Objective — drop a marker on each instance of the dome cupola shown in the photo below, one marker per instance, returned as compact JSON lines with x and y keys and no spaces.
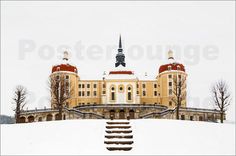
{"x":65,"y":65}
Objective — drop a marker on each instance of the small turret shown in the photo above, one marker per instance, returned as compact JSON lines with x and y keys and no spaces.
{"x":66,"y":56}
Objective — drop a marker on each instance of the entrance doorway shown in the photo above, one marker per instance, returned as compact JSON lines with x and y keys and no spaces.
{"x":112,"y":114}
{"x":131,"y":114}
{"x":122,"y":114}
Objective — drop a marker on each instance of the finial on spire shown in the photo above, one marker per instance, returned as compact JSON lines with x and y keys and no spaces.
{"x":65,"y":56}
{"x":120,"y":44}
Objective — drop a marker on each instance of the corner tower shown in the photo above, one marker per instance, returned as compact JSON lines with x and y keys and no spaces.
{"x":66,"y":73}
{"x":169,"y":75}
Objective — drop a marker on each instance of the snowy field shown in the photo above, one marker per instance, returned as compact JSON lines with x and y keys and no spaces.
{"x":73,"y":137}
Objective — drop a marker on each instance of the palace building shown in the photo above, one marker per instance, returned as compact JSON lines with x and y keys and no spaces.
{"x":120,"y":94}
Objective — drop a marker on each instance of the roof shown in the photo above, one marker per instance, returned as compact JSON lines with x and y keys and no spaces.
{"x":174,"y":66}
{"x":64,"y":67}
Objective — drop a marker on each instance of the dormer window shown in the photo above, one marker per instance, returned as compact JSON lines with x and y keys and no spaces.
{"x":169,"y":67}
{"x":178,"y":67}
{"x":58,"y":68}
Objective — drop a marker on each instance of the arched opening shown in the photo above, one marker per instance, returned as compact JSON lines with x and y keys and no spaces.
{"x":112,"y":114}
{"x":131,"y":114}
{"x":57,"y":117}
{"x":22,"y":119}
{"x":40,"y":119}
{"x":129,"y":93}
{"x":49,"y":117}
{"x":122,"y":114}
{"x":64,"y":117}
{"x":112,"y":93}
{"x":31,"y":119}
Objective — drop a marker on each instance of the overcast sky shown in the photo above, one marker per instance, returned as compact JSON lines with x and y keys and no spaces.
{"x":34,"y":35}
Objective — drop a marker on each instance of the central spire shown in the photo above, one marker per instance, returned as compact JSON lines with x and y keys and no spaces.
{"x":120,"y":57}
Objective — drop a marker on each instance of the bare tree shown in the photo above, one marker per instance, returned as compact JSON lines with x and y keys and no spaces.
{"x":60,"y":92}
{"x":19,"y":100}
{"x":179,"y":92}
{"x":221,"y":97}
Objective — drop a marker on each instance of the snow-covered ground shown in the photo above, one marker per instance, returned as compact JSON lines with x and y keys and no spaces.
{"x":87,"y":137}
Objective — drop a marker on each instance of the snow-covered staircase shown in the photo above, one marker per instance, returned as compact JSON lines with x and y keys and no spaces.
{"x":118,"y":136}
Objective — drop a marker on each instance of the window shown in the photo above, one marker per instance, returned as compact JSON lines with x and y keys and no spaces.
{"x":82,"y":93}
{"x":155,"y":93}
{"x":170,"y":84}
{"x":179,"y":76}
{"x":104,"y":92}
{"x":155,"y":85}
{"x":144,"y":93}
{"x":88,"y":93}
{"x":129,"y":93}
{"x":112,"y":96}
{"x":88,"y":85}
{"x":137,"y":92}
{"x":112,"y":88}
{"x":58,"y":77}
{"x":79,"y":93}
{"x":79,"y":85}
{"x":178,"y":67}
{"x":169,"y":76}
{"x":67,"y":77}
{"x":94,"y":93}
{"x":129,"y":96}
{"x":191,"y":118}
{"x":94,"y":85}
{"x":170,"y":91}
{"x":82,"y":85}
{"x":170,"y":103}
{"x":104,"y":86}
{"x":144,"y":86}
{"x":159,"y":94}
{"x":169,"y":67}
{"x":121,"y":88}
{"x":182,"y":117}
{"x":137,"y":85}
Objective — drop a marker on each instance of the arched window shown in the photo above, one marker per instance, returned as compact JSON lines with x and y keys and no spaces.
{"x":31,"y":119}
{"x":22,"y":120}
{"x":49,"y":117}
{"x":129,"y":93}
{"x":112,"y":92}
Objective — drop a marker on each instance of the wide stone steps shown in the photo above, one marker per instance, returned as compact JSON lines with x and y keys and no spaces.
{"x":119,"y":131}
{"x":118,"y":127}
{"x":118,"y":136}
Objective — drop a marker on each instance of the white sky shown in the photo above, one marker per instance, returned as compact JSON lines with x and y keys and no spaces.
{"x":148,"y":30}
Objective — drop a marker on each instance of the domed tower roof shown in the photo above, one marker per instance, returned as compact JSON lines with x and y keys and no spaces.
{"x":172,"y":64}
{"x":64,"y":65}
